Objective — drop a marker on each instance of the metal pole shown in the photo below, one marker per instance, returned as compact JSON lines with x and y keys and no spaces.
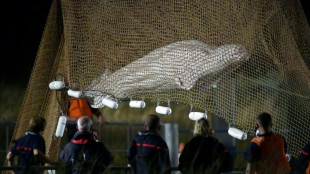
{"x":7,"y":138}
{"x":234,"y":110}
{"x":128,"y":141}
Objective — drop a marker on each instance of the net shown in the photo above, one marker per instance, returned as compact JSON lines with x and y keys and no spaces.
{"x":234,"y":59}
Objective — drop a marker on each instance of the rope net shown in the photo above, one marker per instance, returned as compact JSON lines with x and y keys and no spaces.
{"x":234,"y":59}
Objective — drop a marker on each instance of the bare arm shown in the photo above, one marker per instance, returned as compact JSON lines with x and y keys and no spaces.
{"x":100,"y":117}
{"x":250,"y":168}
{"x":42,"y":157}
{"x":10,"y":157}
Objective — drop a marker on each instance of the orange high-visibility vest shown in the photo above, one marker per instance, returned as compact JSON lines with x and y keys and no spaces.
{"x":273,"y":159}
{"x":79,"y":107}
{"x":308,"y":169}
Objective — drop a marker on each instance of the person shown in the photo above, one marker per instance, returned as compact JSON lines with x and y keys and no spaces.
{"x":204,"y":153}
{"x":30,"y":149}
{"x":79,"y":107}
{"x":267,"y":151}
{"x":83,"y":154}
{"x":149,"y":152}
{"x":303,"y":164}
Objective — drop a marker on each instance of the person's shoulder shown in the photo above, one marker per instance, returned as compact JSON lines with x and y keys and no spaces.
{"x":278,"y":137}
{"x":40,"y":137}
{"x":98,"y":143}
{"x":36,"y":138}
{"x":217,"y":143}
{"x":210,"y":139}
{"x":70,"y":145}
{"x":22,"y":138}
{"x":258,"y":139}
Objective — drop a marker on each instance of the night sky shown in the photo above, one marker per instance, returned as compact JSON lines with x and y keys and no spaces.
{"x":22,"y":26}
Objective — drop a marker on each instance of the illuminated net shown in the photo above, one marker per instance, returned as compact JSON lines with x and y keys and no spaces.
{"x":256,"y":52}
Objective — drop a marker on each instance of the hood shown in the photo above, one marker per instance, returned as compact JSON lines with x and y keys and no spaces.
{"x":82,"y":138}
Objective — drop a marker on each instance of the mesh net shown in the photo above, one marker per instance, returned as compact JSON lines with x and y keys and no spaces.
{"x":256,"y":52}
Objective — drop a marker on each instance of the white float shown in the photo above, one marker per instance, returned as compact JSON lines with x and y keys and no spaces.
{"x":197,"y":115}
{"x":136,"y":104}
{"x":61,"y":126}
{"x":163,"y":110}
{"x":110,"y":103}
{"x":76,"y":94}
{"x":56,"y":85}
{"x":237,"y":133}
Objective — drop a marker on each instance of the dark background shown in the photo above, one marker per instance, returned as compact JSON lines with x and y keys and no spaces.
{"x":22,"y":26}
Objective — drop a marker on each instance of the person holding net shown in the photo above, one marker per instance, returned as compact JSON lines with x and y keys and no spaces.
{"x":79,"y":107}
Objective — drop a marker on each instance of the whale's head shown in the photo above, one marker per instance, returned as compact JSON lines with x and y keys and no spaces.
{"x":230,"y":54}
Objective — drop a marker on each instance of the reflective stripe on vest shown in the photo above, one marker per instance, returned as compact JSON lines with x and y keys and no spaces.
{"x":79,"y":107}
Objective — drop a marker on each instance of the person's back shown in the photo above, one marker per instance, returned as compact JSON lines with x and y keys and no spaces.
{"x":151,"y":149}
{"x":204,"y":154}
{"x":266,"y":153}
{"x":149,"y":152}
{"x":272,"y":156}
{"x":83,"y":154}
{"x":24,"y":148}
{"x":30,"y":149}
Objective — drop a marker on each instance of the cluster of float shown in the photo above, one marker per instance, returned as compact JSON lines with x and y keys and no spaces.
{"x":59,"y":85}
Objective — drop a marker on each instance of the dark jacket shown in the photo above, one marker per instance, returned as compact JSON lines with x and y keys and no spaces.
{"x":83,"y":154}
{"x":205,"y":155}
{"x":149,"y":153}
{"x":24,"y":150}
{"x":304,"y":160}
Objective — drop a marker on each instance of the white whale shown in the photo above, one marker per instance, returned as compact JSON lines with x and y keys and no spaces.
{"x":177,"y":65}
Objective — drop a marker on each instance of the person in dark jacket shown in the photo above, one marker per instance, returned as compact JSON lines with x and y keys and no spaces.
{"x":149,"y":153}
{"x":83,"y":154}
{"x":203,"y":153}
{"x":30,"y":149}
{"x":303,"y":165}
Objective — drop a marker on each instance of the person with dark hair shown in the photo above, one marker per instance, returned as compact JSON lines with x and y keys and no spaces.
{"x":149,"y":153}
{"x":203,"y":153}
{"x":30,"y":149}
{"x":267,"y":151}
{"x":84,"y":154}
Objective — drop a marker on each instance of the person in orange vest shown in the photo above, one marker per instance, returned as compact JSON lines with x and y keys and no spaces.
{"x":303,"y":165}
{"x":79,"y":107}
{"x":267,"y":151}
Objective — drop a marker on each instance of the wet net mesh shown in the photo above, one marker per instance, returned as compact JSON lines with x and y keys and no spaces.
{"x":234,"y":59}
